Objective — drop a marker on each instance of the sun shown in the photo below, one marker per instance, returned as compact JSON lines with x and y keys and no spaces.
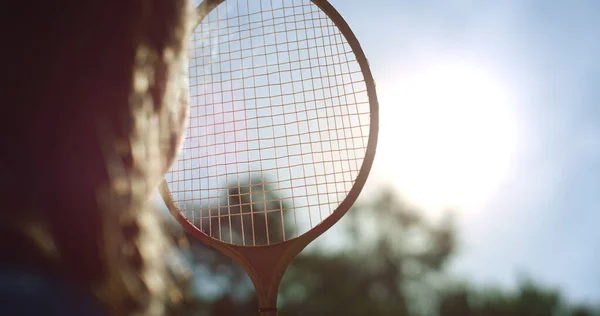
{"x":448,"y":134}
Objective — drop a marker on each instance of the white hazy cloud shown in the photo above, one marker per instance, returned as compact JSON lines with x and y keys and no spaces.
{"x":542,"y":217}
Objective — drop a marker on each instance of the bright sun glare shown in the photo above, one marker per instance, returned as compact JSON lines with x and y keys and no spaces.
{"x":448,"y":133}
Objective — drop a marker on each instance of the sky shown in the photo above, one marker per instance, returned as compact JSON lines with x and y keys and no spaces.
{"x":491,"y":108}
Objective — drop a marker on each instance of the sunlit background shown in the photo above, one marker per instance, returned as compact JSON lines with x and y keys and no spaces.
{"x":491,"y":108}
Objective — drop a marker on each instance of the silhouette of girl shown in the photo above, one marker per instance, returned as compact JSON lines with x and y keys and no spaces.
{"x":93,"y":116}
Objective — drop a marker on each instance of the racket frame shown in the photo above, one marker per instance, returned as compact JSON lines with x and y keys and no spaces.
{"x":266,"y":264}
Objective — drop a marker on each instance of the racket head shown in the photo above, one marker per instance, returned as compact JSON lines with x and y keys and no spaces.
{"x":228,"y":189}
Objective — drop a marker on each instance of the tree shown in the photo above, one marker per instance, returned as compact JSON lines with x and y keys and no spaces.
{"x":242,"y":215}
{"x":530,"y":298}
{"x":391,"y":259}
{"x":392,"y":262}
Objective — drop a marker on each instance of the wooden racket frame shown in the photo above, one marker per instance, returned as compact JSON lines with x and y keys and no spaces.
{"x":266,"y":264}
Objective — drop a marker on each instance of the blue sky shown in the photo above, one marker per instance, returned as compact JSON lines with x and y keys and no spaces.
{"x":540,"y":214}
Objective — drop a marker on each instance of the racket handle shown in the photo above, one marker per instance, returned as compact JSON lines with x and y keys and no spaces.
{"x":268,"y":311}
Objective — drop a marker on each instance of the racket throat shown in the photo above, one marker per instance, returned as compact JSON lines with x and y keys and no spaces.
{"x":266,"y":285}
{"x":265,"y":272}
{"x":266,"y":280}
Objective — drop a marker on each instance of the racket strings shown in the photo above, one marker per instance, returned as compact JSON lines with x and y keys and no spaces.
{"x":279,"y":122}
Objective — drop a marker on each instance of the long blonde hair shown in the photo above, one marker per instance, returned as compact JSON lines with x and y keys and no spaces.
{"x":99,"y":141}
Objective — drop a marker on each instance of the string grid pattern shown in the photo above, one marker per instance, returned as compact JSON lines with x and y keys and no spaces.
{"x":279,"y":122}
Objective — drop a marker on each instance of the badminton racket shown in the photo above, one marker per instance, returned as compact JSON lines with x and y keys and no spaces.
{"x":281,"y":135}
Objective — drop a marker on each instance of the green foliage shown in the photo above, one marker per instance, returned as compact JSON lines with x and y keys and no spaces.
{"x":393,"y":253}
{"x":392,"y":263}
{"x":529,"y":299}
{"x":244,"y":212}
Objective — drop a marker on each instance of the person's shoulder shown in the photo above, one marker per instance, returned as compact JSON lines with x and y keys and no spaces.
{"x":26,"y":293}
